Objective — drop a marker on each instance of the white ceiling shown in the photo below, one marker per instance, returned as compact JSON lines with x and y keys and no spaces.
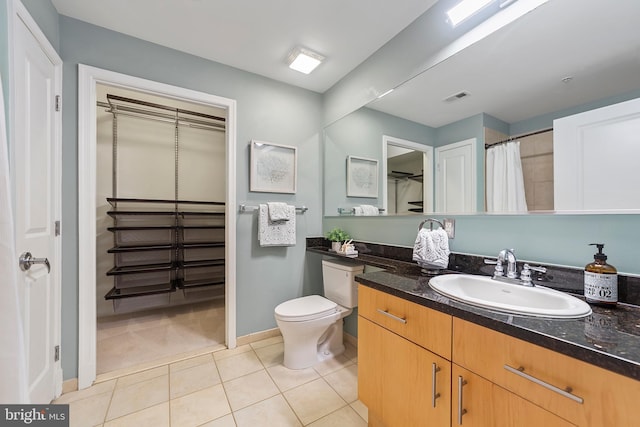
{"x":258,"y":35}
{"x":516,"y":73}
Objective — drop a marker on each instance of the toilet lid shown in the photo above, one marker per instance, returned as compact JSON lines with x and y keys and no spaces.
{"x":305,"y":308}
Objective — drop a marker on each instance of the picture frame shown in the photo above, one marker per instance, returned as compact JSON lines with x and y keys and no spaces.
{"x":273,"y":168}
{"x":362,"y":177}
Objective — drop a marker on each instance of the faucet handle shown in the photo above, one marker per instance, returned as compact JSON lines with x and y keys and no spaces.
{"x":498,"y":271}
{"x":525,"y":274}
{"x":539,"y":269}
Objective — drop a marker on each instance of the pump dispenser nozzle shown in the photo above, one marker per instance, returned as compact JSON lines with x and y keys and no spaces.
{"x":600,"y":255}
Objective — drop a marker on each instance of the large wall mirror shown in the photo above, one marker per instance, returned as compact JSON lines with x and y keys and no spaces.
{"x":562,"y":58}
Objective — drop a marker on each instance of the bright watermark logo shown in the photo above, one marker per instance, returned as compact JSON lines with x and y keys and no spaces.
{"x":34,"y":415}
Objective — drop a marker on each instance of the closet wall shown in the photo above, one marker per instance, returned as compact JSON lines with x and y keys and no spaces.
{"x":146,"y":164}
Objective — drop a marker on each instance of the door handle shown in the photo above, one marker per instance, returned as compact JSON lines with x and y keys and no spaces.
{"x":26,"y":261}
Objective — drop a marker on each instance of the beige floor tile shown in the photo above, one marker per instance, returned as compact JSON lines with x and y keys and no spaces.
{"x":345,"y":382}
{"x":188,"y":363}
{"x":200,"y":407}
{"x":270,"y":412}
{"x":344,"y":417}
{"x":266,"y":342}
{"x":223,"y":354}
{"x":239,"y":365}
{"x":154,"y":416}
{"x":332,"y":365}
{"x":90,"y":411}
{"x":95,"y":389}
{"x":154,"y":336}
{"x":313,"y":400}
{"x":361,"y":409}
{"x":148,"y":374}
{"x":287,"y":379}
{"x":138,"y":396}
{"x":249,"y":389}
{"x":271,"y":355}
{"x":226,"y":421}
{"x":192,"y":379}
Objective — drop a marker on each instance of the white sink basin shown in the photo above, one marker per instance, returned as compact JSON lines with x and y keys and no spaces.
{"x":493,"y":294}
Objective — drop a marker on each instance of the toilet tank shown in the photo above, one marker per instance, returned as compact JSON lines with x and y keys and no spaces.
{"x":339,"y":284}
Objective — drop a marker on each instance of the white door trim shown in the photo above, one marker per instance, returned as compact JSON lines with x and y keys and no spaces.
{"x":17,"y":12}
{"x":88,"y":77}
{"x":427,"y":195}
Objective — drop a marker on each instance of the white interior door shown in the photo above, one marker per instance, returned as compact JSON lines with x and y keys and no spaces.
{"x":595,"y":156}
{"x":456,"y":177}
{"x":36,"y":172}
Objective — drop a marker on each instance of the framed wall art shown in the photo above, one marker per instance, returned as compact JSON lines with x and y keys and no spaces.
{"x":273,"y":168}
{"x":362,"y":177}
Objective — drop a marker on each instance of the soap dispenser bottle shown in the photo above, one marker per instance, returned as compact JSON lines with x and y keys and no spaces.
{"x":600,"y":280}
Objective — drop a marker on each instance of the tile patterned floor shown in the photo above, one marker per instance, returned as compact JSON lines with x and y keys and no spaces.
{"x":156,"y":334}
{"x":244,"y":387}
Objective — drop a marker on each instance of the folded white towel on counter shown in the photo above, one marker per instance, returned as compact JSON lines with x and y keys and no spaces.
{"x":369,"y":210}
{"x":431,"y":249}
{"x":357,"y":211}
{"x":279,"y":211}
{"x":276,"y":233}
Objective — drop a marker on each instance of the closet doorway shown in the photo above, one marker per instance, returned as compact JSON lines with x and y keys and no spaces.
{"x":164,"y":224}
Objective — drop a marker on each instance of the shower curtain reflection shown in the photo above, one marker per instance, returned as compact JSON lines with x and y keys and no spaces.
{"x":505,"y":182}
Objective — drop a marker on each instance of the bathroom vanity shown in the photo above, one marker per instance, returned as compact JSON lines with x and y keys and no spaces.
{"x":424,"y":359}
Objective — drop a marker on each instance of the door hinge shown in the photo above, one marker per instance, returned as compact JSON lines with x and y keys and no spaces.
{"x":58,"y":102}
{"x":56,"y":353}
{"x":57,"y":228}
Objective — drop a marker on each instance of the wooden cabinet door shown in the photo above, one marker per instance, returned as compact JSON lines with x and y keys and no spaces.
{"x":478,"y":402}
{"x":401,"y":383}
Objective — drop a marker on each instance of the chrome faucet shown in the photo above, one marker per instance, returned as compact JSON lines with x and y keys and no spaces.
{"x":512,"y":271}
{"x":510,"y":257}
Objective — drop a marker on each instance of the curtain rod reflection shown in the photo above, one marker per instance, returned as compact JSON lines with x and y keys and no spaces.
{"x":513,"y":138}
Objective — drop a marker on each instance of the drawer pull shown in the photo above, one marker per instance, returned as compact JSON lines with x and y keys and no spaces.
{"x":461,"y":411}
{"x":566,"y":393}
{"x":393,"y":316}
{"x":434,"y":395}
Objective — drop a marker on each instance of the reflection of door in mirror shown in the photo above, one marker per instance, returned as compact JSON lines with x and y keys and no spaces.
{"x":456,"y":177}
{"x":409,"y":176}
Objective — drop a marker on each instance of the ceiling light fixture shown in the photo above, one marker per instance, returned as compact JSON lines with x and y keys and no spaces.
{"x":304,"y":60}
{"x":465,"y":9}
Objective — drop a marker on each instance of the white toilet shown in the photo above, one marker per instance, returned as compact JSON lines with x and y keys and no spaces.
{"x":311,"y":326}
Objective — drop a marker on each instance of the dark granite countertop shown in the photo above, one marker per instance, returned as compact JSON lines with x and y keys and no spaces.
{"x":609,"y":338}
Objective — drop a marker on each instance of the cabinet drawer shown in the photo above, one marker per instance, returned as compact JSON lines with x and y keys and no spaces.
{"x":421,"y":325}
{"x":532,"y":372}
{"x":478,"y":402}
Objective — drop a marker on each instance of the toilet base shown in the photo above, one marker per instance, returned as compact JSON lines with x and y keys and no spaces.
{"x":329,"y":345}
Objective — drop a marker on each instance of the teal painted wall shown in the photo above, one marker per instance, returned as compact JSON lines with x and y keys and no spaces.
{"x":360,"y":134}
{"x":266,"y":110}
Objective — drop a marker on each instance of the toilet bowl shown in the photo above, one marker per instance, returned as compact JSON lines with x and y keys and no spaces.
{"x":311,"y":326}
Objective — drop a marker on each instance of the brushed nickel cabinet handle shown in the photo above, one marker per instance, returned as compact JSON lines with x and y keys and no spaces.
{"x":434,"y":394}
{"x":393,"y":316}
{"x":566,"y":392}
{"x":461,"y":410}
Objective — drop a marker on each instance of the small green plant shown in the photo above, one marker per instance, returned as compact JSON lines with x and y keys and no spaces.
{"x":337,"y":235}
